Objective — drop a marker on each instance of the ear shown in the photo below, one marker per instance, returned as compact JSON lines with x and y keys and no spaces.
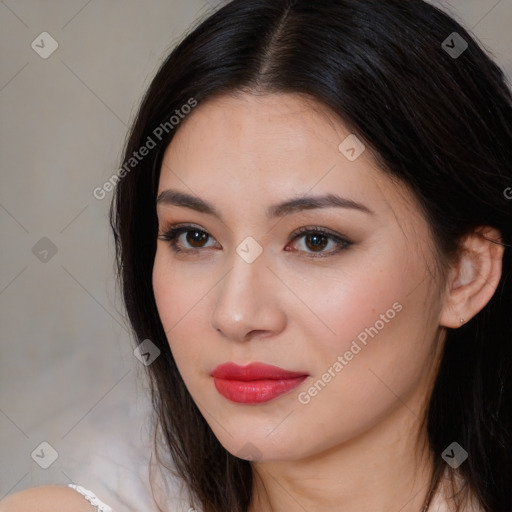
{"x":475,"y":277}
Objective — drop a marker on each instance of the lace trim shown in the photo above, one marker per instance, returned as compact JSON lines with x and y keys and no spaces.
{"x":91,"y":498}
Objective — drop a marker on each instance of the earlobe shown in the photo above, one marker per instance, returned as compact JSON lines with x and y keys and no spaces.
{"x":475,"y":278}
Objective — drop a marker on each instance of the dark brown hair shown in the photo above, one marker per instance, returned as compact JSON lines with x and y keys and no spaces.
{"x":440,"y":123}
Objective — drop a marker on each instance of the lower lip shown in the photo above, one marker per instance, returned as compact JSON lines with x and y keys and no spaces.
{"x":255,"y":391}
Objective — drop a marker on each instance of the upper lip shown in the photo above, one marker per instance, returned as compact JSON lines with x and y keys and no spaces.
{"x":253,"y":371}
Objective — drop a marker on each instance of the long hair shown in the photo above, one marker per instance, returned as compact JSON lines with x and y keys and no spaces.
{"x":438,"y":117}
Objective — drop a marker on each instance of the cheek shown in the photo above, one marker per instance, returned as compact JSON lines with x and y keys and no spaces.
{"x":178,"y":288}
{"x":339,"y":305}
{"x":364,"y":298}
{"x":383,"y":331}
{"x":357,"y":299}
{"x":181,"y":299}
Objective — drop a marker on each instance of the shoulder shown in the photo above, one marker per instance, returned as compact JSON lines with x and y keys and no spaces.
{"x":46,"y":498}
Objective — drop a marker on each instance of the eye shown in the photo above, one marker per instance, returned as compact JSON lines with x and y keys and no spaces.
{"x":316,"y":240}
{"x":195,"y":237}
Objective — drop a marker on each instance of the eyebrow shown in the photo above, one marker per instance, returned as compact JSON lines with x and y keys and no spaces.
{"x":176,"y":198}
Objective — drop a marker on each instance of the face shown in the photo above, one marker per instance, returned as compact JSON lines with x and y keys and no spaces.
{"x":340,"y":293}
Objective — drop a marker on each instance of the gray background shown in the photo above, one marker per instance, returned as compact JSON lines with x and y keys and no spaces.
{"x":68,"y":375}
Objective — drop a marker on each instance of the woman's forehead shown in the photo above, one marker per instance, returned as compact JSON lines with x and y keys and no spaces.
{"x":244,"y":154}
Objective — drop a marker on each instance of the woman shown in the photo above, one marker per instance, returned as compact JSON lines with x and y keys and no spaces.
{"x":313,"y":224}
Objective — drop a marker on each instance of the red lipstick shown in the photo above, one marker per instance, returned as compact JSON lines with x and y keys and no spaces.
{"x":254,"y":383}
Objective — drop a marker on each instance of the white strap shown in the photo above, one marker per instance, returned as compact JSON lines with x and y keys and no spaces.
{"x":91,"y":498}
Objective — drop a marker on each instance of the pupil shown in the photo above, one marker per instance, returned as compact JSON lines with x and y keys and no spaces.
{"x":317,"y":241}
{"x":201,"y":237}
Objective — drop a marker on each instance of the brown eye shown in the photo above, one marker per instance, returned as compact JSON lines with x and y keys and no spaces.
{"x":185,"y":239}
{"x":190,"y":240}
{"x":196,"y":238}
{"x":316,"y":241}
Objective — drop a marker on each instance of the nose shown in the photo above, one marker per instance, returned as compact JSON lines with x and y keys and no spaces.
{"x":247,"y":304}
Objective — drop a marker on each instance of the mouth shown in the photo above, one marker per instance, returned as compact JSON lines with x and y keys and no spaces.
{"x":255,"y":383}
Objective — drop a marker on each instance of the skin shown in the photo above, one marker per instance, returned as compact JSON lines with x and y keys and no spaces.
{"x":358,"y":444}
{"x":46,"y":498}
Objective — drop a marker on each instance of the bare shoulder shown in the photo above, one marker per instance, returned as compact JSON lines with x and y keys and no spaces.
{"x":46,"y":498}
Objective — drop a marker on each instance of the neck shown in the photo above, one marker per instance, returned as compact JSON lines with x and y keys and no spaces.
{"x":386,"y":468}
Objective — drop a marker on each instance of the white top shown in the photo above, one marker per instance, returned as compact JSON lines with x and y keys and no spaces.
{"x":437,"y":504}
{"x":91,"y":498}
{"x":112,"y":455}
{"x":118,"y":455}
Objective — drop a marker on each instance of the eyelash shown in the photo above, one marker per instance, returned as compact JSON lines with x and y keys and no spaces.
{"x":173,"y":232}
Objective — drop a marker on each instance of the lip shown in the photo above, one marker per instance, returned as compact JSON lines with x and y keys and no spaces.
{"x":254,"y":383}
